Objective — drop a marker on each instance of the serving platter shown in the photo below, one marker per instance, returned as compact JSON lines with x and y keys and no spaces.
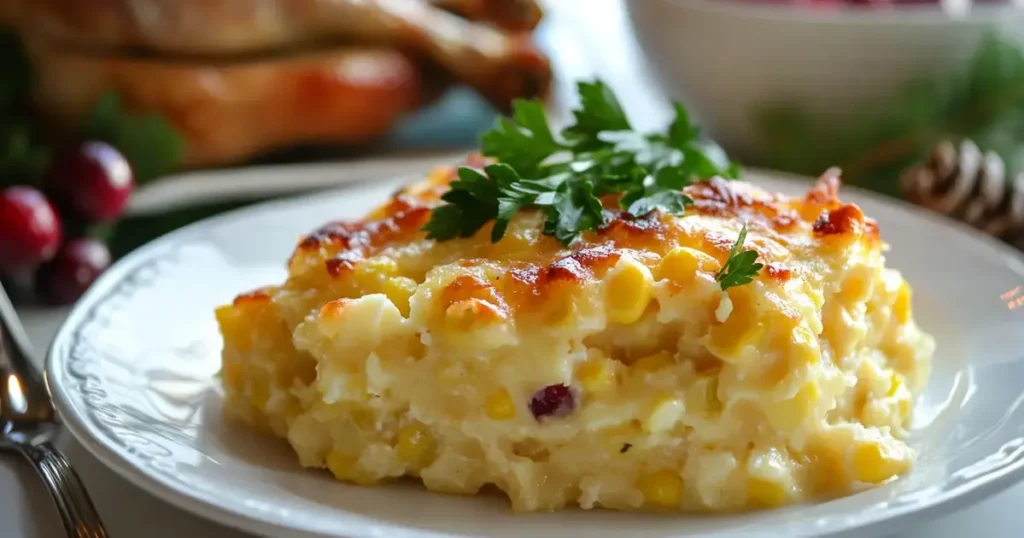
{"x":134,"y":370}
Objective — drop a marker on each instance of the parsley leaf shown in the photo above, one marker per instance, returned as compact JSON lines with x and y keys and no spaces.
{"x":574,"y":210}
{"x":682,"y":130}
{"x":672,"y":202}
{"x":741,"y":267}
{"x":599,"y":111}
{"x":445,"y":222}
{"x":472,"y":202}
{"x":523,"y":141}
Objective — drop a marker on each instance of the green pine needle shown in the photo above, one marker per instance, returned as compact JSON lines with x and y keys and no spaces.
{"x":983,"y":102}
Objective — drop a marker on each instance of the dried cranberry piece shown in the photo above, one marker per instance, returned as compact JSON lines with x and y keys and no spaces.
{"x":552,"y":401}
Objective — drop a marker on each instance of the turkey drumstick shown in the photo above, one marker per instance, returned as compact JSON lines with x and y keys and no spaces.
{"x":230,"y":112}
{"x":500,"y":66}
{"x":514,"y":15}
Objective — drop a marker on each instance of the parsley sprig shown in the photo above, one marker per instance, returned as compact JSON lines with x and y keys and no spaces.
{"x":564,"y":174}
{"x":741,"y":267}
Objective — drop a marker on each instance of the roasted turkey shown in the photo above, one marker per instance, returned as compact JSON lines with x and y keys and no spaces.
{"x":242,"y":77}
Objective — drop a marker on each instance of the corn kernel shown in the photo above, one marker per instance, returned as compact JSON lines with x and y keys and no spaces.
{"x":830,"y":475}
{"x":702,"y":396}
{"x":875,"y":462}
{"x":595,"y":375}
{"x":903,"y":406}
{"x":682,"y":264}
{"x":895,"y":384}
{"x":370,"y":274}
{"x":653,"y":363}
{"x":742,"y":328}
{"x":499,"y":405}
{"x":399,"y":290}
{"x":345,"y":467}
{"x":559,"y":305}
{"x":364,"y":419}
{"x":628,"y":291}
{"x":415,"y":446}
{"x":789,"y":414}
{"x":765,"y":493}
{"x":903,"y":399}
{"x":805,"y":348}
{"x":664,"y":415}
{"x":857,"y":287}
{"x":663,"y":488}
{"x":901,"y":308}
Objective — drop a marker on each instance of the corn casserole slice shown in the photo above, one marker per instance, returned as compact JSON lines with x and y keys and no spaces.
{"x":615,"y":373}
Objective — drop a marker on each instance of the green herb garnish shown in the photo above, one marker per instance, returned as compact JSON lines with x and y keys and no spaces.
{"x":741,"y":267}
{"x":564,"y":174}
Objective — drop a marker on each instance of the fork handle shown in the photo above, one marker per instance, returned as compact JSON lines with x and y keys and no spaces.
{"x":76,"y":509}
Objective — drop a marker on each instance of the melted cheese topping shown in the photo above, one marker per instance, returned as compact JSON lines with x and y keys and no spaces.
{"x":616,"y":373}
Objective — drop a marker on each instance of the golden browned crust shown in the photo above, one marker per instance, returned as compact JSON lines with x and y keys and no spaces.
{"x":819,"y":220}
{"x":231,"y":112}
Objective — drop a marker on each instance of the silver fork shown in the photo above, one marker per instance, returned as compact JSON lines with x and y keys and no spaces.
{"x":28,"y":422}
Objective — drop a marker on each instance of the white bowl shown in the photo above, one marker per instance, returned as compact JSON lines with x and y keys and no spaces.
{"x":726,"y":58}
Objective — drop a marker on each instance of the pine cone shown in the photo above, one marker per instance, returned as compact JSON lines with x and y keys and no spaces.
{"x":967,"y":185}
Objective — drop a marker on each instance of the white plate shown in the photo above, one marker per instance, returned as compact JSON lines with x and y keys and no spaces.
{"x":132,"y":373}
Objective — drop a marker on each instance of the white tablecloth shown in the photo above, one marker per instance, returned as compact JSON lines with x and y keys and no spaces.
{"x":26,"y":511}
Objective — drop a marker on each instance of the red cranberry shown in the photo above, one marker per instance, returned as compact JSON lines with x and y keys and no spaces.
{"x":552,"y":401}
{"x":93,"y":179}
{"x":65,"y":278}
{"x":30,"y":230}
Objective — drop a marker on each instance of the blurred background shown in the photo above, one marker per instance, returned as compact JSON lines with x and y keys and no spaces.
{"x":121,"y":120}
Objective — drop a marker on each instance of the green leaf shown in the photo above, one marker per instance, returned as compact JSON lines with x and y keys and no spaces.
{"x":649,"y":152}
{"x":23,"y":160}
{"x":15,"y":74}
{"x":479,"y":186}
{"x":507,"y":208}
{"x":741,"y":267}
{"x":151,"y":145}
{"x":105,"y":117}
{"x":523,"y":141}
{"x":681,"y":131}
{"x":599,"y":111}
{"x":148,"y":142}
{"x":445,"y":223}
{"x":672,"y":179}
{"x":504,"y":175}
{"x":671,"y":202}
{"x":576,"y":210}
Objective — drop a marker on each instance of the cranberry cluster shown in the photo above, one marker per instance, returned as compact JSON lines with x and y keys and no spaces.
{"x":43,"y":230}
